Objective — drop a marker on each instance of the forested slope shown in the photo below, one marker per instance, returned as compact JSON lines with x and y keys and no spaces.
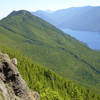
{"x":50,"y":85}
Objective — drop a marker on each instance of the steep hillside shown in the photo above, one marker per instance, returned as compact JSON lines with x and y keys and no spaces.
{"x":50,"y":47}
{"x":49,"y":85}
{"x":76,"y":18}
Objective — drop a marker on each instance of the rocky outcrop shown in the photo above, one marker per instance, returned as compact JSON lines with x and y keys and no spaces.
{"x":14,"y":61}
{"x":12,"y":86}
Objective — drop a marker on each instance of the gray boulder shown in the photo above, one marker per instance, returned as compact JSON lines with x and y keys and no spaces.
{"x":12,"y":85}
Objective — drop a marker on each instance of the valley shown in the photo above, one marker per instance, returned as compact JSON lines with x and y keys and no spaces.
{"x":91,"y":39}
{"x":81,"y":23}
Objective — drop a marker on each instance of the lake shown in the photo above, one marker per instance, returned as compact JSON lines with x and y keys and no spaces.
{"x":92,"y":39}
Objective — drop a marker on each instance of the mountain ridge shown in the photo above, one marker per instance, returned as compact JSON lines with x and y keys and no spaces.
{"x":49,"y":46}
{"x":76,"y":18}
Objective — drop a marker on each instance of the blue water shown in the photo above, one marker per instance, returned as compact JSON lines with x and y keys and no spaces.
{"x":92,"y":39}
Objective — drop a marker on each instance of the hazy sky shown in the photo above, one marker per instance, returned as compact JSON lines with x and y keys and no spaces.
{"x":7,"y":6}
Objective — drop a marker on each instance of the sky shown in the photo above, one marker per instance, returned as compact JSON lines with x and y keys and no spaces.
{"x":7,"y":6}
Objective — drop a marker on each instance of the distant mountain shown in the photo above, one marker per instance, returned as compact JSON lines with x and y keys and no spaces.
{"x":76,"y":18}
{"x":52,"y":48}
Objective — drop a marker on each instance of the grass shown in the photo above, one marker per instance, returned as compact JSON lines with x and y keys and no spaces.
{"x":47,"y":83}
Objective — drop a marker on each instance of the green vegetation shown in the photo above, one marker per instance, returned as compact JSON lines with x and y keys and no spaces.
{"x":50,"y":85}
{"x":49,"y":46}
